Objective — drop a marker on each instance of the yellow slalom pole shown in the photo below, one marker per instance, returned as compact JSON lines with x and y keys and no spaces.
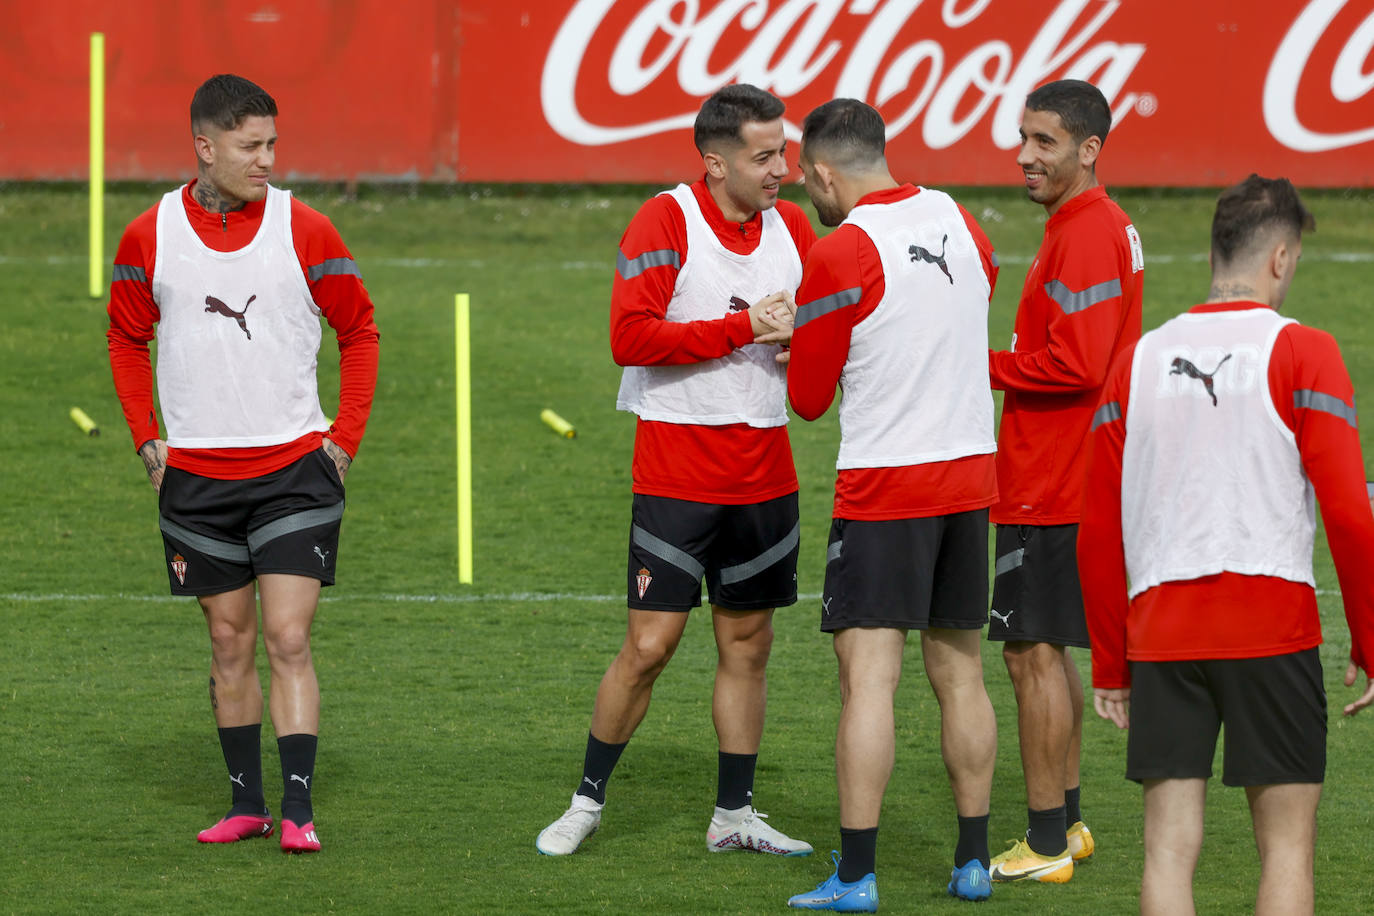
{"x":463,"y":364}
{"x":97,"y":215}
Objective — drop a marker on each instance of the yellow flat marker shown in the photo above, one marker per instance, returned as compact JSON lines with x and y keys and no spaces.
{"x":558,"y":424}
{"x":83,"y":420}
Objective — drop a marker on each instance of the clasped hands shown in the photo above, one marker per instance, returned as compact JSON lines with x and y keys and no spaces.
{"x":771,"y":319}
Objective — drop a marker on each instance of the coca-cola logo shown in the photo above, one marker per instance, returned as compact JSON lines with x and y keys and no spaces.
{"x":791,"y":48}
{"x":1349,"y":80}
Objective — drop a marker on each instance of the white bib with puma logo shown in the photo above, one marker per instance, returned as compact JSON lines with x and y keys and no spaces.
{"x":1211,"y":478}
{"x":237,"y":336}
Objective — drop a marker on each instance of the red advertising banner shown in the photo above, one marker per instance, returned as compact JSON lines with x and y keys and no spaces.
{"x":605,"y":90}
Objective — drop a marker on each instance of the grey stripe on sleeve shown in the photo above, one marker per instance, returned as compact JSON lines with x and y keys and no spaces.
{"x":297,"y":521}
{"x":1071,"y":301}
{"x":1316,"y":400}
{"x":629,"y":269}
{"x":130,"y":272}
{"x":666,"y":552}
{"x":1009,"y":561}
{"x":732,"y":574}
{"x":825,"y":305}
{"x":995,"y":261}
{"x":211,"y":547}
{"x":334,"y":267}
{"x":1107,"y":413}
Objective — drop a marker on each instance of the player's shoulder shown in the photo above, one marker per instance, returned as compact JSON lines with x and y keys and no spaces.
{"x":1310,"y":343}
{"x":658,"y":223}
{"x":306,"y":217}
{"x":1104,"y":212}
{"x":145,"y":224}
{"x":138,"y":245}
{"x":841,"y":243}
{"x":1096,"y":229}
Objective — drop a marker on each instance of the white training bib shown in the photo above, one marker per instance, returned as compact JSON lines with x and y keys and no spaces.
{"x":747,"y":385}
{"x":915,"y":383}
{"x":238,"y":334}
{"x":1211,"y":477}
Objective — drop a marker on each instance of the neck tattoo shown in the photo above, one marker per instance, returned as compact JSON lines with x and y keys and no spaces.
{"x":209,"y":197}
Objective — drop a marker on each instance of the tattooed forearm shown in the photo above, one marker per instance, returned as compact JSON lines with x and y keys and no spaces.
{"x":339,"y":457}
{"x":154,"y":455}
{"x":214,"y":700}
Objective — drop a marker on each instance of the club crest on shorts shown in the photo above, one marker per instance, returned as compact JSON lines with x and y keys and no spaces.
{"x":178,"y":565}
{"x":642,"y":580}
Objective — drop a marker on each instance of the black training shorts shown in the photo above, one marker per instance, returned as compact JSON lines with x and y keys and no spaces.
{"x":1274,"y":710}
{"x":748,"y":554}
{"x":220,"y":535}
{"x":908,"y":574}
{"x":1035,"y":591}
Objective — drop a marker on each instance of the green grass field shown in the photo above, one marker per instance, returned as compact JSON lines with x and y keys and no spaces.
{"x":455,"y":716}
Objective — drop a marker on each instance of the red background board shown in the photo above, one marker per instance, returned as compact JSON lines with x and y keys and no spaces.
{"x":605,"y":90}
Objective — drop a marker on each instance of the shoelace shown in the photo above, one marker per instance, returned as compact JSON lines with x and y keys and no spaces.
{"x":565,"y":826}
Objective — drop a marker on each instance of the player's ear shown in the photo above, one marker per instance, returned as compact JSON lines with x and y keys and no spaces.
{"x":1088,"y":151}
{"x":205,"y":149}
{"x":825,"y":175}
{"x":1280,"y":259}
{"x":715,"y":163}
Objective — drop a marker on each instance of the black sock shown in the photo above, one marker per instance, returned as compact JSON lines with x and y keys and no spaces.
{"x":297,"y":773}
{"x":242,"y":747}
{"x":858,"y":853}
{"x":973,"y":842}
{"x":1047,"y":835}
{"x":601,"y":758}
{"x":1072,"y":814}
{"x":735,"y":780}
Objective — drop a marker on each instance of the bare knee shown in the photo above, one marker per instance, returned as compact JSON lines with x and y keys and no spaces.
{"x":233,"y":635}
{"x":1033,"y":661}
{"x":288,"y":645}
{"x":749,"y":652}
{"x":644,"y":655}
{"x":856,"y":680}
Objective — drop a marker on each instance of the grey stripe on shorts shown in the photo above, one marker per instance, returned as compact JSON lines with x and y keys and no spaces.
{"x":211,"y":547}
{"x":832,"y":553}
{"x":667,"y":552}
{"x":738,"y":573}
{"x":1009,"y":561}
{"x":297,"y":521}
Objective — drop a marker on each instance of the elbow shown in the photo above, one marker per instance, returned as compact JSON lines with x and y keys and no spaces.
{"x":807,"y":409}
{"x":621,"y":355}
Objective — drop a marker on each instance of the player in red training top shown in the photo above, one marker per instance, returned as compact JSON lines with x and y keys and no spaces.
{"x":235,"y":275}
{"x":703,"y":287}
{"x":893,"y":309}
{"x":1079,"y":307}
{"x":1213,"y":434}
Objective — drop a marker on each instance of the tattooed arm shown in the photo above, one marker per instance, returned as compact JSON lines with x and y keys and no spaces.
{"x":338,"y":456}
{"x":154,"y":455}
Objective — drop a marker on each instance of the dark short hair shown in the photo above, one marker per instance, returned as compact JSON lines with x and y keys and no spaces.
{"x":847,"y":131}
{"x":727,"y":111}
{"x":1248,"y":212}
{"x":1081,"y":106}
{"x":223,"y":101}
